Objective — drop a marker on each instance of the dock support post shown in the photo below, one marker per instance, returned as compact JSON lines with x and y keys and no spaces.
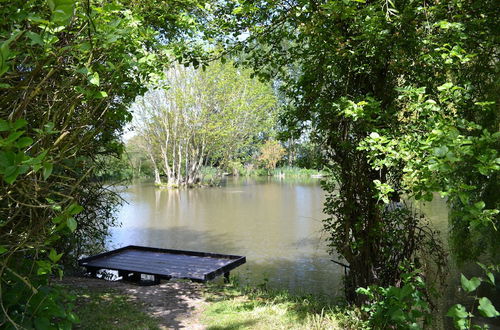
{"x":123,"y":274}
{"x":92,"y":271}
{"x":226,"y":277}
{"x":135,"y":277}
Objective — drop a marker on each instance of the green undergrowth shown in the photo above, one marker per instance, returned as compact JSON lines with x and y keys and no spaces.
{"x":234,"y":307}
{"x":109,"y":309}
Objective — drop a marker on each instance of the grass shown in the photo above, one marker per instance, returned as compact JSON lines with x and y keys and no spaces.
{"x":228,"y":306}
{"x":110,"y":310}
{"x":233,"y":307}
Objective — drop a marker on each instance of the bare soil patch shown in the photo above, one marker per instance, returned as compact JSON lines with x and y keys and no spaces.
{"x":176,"y":304}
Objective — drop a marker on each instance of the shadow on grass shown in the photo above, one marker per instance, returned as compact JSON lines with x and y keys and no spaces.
{"x":119,"y":305}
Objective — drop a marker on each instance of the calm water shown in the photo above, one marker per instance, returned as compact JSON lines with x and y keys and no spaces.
{"x":276,"y":224}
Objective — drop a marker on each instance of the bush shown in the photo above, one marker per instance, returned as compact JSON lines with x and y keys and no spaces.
{"x":405,"y":307}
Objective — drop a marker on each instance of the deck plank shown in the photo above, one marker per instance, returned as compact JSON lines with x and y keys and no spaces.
{"x":199,"y":266}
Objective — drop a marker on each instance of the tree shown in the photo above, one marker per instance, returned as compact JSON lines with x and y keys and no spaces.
{"x":202,"y":117}
{"x":271,"y":153}
{"x":68,"y":71}
{"x":357,"y":73}
{"x":139,"y":162}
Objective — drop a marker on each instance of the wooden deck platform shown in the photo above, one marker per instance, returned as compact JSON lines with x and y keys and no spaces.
{"x":132,"y":261}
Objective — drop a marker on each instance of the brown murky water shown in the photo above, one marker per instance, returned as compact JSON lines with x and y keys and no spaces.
{"x":275,"y":223}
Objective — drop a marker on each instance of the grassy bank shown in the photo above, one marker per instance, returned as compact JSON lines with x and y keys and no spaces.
{"x":234,"y":307}
{"x":222,"y":307}
{"x":290,"y":171}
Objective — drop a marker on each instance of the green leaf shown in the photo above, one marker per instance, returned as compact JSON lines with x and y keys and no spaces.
{"x":13,"y":137}
{"x":20,"y":123}
{"x":4,"y":125}
{"x":62,"y":10}
{"x":457,"y":312}
{"x":24,"y":142}
{"x":11,"y":174}
{"x":441,"y":151}
{"x":53,"y":256}
{"x":74,"y":209}
{"x":94,"y":79}
{"x":35,"y":38}
{"x":73,"y":317}
{"x":491,"y":277}
{"x":57,"y":219}
{"x":3,"y":249}
{"x":397,"y":315}
{"x":71,"y":223}
{"x":47,"y":170}
{"x":470,"y":285}
{"x":486,"y":308}
{"x":42,"y":323}
{"x":479,"y":205}
{"x":445,"y":86}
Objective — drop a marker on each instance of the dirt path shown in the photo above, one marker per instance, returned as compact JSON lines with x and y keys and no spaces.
{"x":176,"y":304}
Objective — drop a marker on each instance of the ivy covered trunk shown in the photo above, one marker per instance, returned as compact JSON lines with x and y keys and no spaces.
{"x":354,"y":216}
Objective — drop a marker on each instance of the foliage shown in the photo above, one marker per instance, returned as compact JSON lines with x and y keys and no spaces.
{"x":271,"y":152}
{"x":404,"y":307}
{"x":68,"y":70}
{"x":204,"y":117}
{"x":348,"y":69}
{"x":308,"y":155}
{"x":447,"y":153}
{"x":120,"y":169}
{"x":30,"y":301}
{"x":138,"y":162}
{"x":462,"y":318}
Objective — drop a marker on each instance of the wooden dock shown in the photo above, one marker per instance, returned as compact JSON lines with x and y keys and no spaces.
{"x":133,"y":261}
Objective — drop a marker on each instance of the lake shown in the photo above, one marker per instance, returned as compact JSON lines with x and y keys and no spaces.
{"x":275,"y":223}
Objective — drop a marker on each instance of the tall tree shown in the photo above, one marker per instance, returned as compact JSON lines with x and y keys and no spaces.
{"x":202,"y":117}
{"x":353,"y":70}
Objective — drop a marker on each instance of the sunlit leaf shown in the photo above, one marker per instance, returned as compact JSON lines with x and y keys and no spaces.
{"x":469,"y":285}
{"x":486,"y":308}
{"x":71,"y":223}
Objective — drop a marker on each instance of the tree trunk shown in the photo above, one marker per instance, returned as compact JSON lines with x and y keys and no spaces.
{"x":157,"y":175}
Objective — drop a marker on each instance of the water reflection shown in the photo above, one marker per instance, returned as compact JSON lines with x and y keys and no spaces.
{"x":276,"y":224}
